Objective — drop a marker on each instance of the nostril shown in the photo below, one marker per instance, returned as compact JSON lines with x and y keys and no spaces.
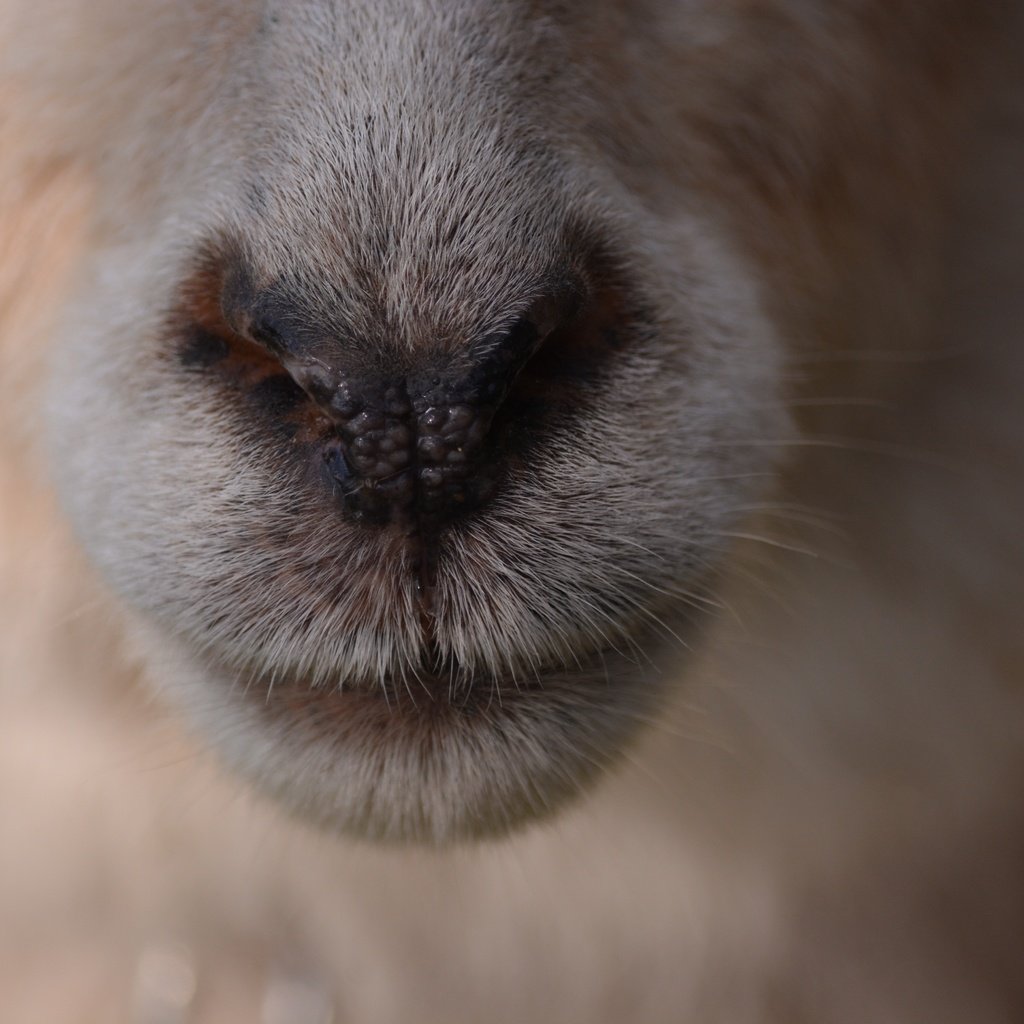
{"x":338,"y":469}
{"x":268,"y":336}
{"x":499,"y":357}
{"x":416,"y":439}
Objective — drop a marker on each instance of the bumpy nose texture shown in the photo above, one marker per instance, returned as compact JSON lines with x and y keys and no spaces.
{"x":414,"y":448}
{"x":396,"y":459}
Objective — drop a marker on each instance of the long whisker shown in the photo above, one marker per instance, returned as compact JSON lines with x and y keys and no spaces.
{"x":860,"y":446}
{"x":771,"y":542}
{"x":897,"y":356}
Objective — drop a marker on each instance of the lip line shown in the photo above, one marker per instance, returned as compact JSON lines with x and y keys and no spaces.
{"x":425,"y":687}
{"x":464,"y":689}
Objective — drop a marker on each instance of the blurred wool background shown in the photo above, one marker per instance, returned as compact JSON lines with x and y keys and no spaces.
{"x":828,"y":826}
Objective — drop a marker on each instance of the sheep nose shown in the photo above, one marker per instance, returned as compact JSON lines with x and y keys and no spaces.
{"x":413,"y":447}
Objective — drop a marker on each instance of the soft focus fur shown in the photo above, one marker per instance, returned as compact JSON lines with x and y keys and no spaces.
{"x":818,"y":209}
{"x":410,"y":179}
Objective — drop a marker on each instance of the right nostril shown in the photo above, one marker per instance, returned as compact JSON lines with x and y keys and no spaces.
{"x":501,"y":356}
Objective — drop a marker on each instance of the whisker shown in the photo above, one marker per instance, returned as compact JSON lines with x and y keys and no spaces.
{"x":838,"y":403}
{"x":897,"y":356}
{"x":797,"y":516}
{"x":855,"y":445}
{"x":692,"y":598}
{"x":771,"y":542}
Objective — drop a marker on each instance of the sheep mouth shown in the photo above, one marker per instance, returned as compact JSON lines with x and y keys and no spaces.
{"x":443,"y":690}
{"x":431,"y":759}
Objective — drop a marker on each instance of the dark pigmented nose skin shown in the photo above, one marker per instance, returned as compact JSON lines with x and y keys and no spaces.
{"x":412,"y":448}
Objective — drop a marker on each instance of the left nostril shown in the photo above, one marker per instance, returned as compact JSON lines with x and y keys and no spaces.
{"x":338,"y":469}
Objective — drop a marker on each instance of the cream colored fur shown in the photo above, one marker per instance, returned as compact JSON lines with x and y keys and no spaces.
{"x":822,"y":822}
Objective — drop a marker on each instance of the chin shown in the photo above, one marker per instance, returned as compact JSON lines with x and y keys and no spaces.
{"x":428,"y":759}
